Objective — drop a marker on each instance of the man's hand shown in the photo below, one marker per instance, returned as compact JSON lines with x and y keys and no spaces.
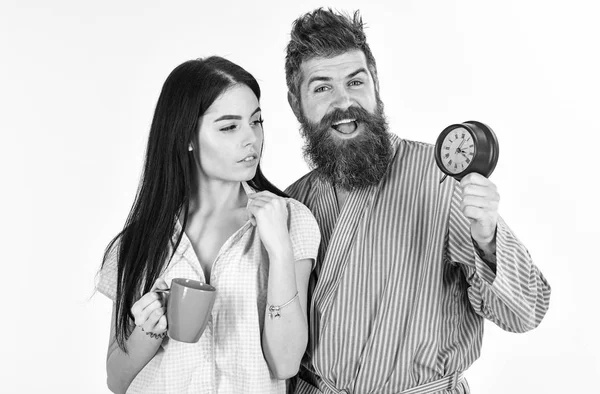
{"x":480,"y":201}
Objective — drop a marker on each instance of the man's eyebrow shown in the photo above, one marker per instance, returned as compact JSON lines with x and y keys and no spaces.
{"x":355,"y":73}
{"x":318,"y":78}
{"x":235,"y":117}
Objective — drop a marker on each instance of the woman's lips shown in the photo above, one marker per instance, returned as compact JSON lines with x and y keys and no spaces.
{"x":250,"y":159}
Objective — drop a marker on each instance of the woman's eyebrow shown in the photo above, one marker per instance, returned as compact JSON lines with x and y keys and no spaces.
{"x":235,"y":117}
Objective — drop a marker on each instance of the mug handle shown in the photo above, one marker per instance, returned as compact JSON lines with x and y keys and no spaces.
{"x":163,"y":291}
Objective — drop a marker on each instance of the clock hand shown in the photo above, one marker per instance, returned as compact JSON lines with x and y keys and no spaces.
{"x":458,"y":150}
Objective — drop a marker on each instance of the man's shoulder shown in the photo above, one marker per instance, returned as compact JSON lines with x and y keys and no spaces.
{"x":414,"y":151}
{"x":416,"y":146}
{"x":414,"y":159}
{"x":301,"y":189}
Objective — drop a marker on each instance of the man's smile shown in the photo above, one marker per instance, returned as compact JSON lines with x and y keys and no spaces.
{"x":346,"y":128}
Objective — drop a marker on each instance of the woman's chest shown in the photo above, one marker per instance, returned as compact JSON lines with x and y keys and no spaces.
{"x":212,"y":237}
{"x":238,"y":263}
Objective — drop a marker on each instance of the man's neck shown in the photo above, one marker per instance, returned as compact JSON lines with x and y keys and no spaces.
{"x":341,"y":195}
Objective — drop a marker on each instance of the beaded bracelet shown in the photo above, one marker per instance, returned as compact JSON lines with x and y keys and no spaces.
{"x":154,"y":335}
{"x":274,"y":309}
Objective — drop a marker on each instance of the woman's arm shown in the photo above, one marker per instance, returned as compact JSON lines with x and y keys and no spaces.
{"x":142,"y":344}
{"x":285,"y":337}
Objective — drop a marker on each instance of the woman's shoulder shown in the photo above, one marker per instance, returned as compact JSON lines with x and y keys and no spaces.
{"x":301,"y":220}
{"x":304,"y":230}
{"x":299,"y":211}
{"x":107,"y":276}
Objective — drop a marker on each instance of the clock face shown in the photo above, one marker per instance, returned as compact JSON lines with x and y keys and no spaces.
{"x":457,"y":150}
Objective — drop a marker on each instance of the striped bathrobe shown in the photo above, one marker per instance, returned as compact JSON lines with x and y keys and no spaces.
{"x":399,"y":294}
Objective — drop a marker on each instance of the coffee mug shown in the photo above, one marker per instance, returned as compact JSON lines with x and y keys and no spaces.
{"x":188,"y":308}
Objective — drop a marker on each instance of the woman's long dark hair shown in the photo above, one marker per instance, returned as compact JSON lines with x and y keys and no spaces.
{"x":143,"y":245}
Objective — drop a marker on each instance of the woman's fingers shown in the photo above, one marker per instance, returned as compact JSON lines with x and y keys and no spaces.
{"x":144,"y":314}
{"x":143,"y":303}
{"x":264,"y":193}
{"x":151,"y":308}
{"x":152,"y":323}
{"x":161,"y":284}
{"x":140,"y":305}
{"x":161,"y":325}
{"x":258,"y":202}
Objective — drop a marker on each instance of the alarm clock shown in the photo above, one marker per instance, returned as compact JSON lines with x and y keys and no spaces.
{"x":466,"y":147}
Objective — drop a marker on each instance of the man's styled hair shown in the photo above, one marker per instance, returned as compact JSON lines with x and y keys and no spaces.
{"x":324,"y":33}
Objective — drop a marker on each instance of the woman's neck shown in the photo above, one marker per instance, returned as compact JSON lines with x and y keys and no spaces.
{"x":214,"y":196}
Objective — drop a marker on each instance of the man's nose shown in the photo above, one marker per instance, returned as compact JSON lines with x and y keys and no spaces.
{"x":342,"y":99}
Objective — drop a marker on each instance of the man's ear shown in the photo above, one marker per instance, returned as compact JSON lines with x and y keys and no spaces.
{"x":295,"y":105}
{"x":377,"y":86}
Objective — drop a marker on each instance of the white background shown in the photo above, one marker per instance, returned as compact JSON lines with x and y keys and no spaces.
{"x":78,"y":85}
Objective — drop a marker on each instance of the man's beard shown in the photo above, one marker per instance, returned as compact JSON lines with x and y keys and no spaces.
{"x":351,"y":163}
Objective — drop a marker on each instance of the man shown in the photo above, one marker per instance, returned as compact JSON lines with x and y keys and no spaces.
{"x":408,"y":268}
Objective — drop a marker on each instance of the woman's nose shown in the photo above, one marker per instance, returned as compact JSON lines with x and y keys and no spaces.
{"x":250,"y":136}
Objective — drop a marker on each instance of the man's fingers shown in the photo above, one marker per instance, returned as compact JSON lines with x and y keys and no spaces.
{"x":475,"y":179}
{"x":474,"y":213}
{"x":479,"y":202}
{"x":478,"y":190}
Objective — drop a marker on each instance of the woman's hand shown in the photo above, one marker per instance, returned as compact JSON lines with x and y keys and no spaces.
{"x":268,"y":212}
{"x":149,"y":311}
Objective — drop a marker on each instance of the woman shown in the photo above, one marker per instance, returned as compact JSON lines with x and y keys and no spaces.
{"x":204,"y":211}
